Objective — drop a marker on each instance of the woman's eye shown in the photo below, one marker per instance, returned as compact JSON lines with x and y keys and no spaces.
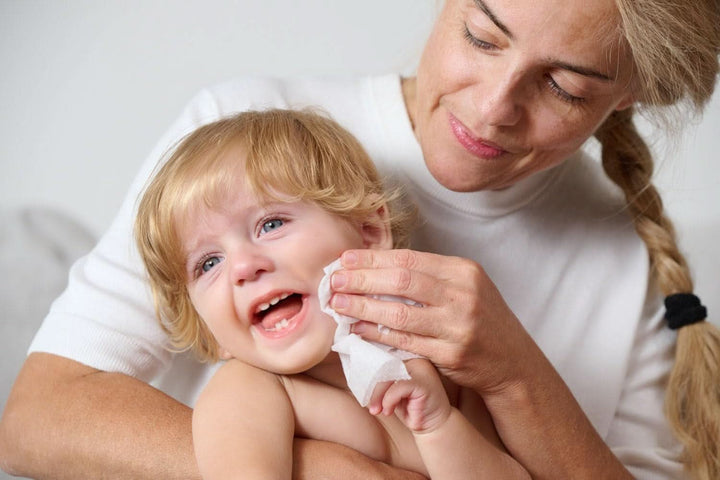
{"x":476,"y":42}
{"x":271,"y":225}
{"x":209,"y":263}
{"x":559,"y":92}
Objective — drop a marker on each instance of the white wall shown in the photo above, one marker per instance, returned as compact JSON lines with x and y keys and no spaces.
{"x":88,"y":86}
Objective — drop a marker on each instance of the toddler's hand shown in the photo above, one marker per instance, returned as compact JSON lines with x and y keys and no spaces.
{"x":421,"y":403}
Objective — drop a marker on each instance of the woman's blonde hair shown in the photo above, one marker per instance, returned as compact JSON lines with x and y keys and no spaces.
{"x":287,"y":155}
{"x":674,"y":46}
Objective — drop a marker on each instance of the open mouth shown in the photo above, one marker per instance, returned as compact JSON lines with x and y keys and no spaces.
{"x":276,"y":315}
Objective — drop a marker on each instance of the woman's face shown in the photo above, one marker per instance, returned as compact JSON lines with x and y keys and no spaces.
{"x":507,"y":88}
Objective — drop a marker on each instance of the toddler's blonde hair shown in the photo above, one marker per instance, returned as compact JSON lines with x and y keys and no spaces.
{"x":287,"y":155}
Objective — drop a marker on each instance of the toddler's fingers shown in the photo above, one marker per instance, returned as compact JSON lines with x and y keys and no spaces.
{"x":375,"y":405}
{"x":397,"y":392}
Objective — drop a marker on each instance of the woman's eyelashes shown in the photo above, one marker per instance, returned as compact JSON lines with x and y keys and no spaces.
{"x":476,"y":42}
{"x":552,"y":85}
{"x":560,"y":92}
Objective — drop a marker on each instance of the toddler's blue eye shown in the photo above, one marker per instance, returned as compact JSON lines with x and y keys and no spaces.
{"x":209,"y":263}
{"x":272,"y":225}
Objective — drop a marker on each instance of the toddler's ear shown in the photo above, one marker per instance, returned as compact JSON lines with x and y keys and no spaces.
{"x":375,"y":229}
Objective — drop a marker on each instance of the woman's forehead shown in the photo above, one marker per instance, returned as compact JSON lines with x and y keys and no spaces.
{"x":575,"y":32}
{"x":575,"y":25}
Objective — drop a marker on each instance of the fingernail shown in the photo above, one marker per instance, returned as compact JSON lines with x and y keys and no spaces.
{"x":338,"y":280}
{"x":349,"y":258}
{"x":339,"y":302}
{"x":357,"y":328}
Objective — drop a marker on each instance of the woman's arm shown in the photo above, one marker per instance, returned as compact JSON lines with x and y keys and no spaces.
{"x":546,"y":430}
{"x":318,"y":460}
{"x":66,"y":420}
{"x":467,"y":330}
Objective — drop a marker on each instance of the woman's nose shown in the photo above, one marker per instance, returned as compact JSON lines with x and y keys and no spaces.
{"x":499,"y":103}
{"x":248,"y":266}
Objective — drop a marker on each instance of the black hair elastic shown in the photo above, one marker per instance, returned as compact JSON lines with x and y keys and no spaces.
{"x":683,"y":309}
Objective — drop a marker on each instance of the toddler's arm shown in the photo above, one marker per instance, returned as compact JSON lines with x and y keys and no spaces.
{"x":243,"y":425}
{"x":450,"y":446}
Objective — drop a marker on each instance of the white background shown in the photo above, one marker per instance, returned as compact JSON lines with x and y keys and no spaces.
{"x":88,"y":86}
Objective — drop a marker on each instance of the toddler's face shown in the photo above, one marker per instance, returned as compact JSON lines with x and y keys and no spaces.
{"x":253,"y":271}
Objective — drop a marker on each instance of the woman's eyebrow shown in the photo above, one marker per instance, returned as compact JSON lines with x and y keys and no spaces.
{"x":486,"y":10}
{"x":588,"y":72}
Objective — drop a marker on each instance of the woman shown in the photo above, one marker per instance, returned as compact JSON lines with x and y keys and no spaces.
{"x":547,"y":289}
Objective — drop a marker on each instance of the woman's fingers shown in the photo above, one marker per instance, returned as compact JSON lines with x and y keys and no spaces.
{"x":400,"y":258}
{"x":425,"y":278}
{"x":438,"y":267}
{"x":417,"y":286}
{"x":393,"y":314}
{"x":442,"y":353}
{"x":464,"y":327}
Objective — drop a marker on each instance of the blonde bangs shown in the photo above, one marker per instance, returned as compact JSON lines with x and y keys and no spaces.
{"x":308,"y":157}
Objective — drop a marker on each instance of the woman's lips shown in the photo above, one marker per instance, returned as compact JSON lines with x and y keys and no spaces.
{"x":478,"y":147}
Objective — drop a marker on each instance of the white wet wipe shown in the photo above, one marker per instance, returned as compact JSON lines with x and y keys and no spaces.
{"x":364,"y":363}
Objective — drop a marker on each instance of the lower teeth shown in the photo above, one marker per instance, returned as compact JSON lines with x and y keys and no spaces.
{"x":281,"y":325}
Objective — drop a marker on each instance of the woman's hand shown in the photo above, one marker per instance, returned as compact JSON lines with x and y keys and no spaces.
{"x":469,"y":333}
{"x":464,"y":327}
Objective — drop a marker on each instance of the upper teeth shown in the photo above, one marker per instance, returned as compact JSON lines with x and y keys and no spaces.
{"x":264,"y":306}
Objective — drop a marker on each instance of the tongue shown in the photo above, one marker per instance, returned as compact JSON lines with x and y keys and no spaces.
{"x":285,"y":309}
